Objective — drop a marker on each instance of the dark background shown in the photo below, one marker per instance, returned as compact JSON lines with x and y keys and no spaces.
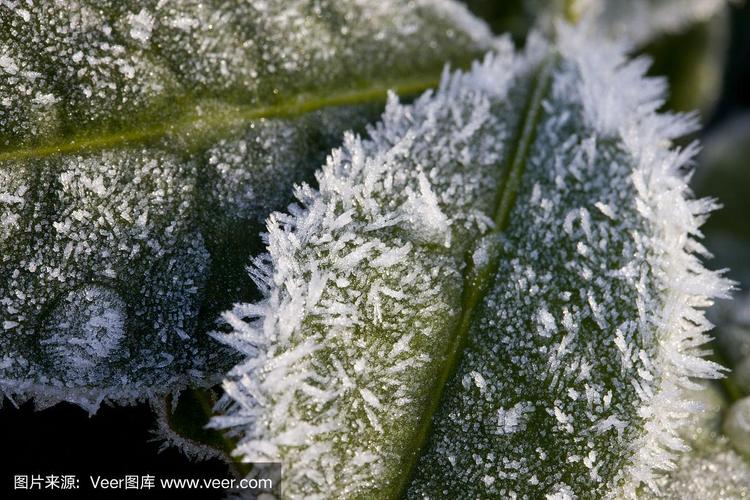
{"x":115,"y":442}
{"x":735,"y":96}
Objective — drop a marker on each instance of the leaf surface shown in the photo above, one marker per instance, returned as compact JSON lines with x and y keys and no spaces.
{"x":521,"y":242}
{"x":141,"y":146}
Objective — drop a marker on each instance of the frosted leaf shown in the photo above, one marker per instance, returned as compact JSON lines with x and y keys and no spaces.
{"x":556,"y":250}
{"x":688,"y":39}
{"x":142,"y":145}
{"x":600,"y":335}
{"x":361,"y":298}
{"x":69,"y":68}
{"x":103,"y":244}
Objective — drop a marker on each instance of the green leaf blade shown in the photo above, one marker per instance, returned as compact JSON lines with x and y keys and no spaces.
{"x":369,"y":321}
{"x":590,"y":330}
{"x":589,"y":347}
{"x":116,"y":66}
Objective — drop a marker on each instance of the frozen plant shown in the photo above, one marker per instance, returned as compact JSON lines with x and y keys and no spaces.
{"x":493,"y":290}
{"x":521,"y":241}
{"x":141,"y":150}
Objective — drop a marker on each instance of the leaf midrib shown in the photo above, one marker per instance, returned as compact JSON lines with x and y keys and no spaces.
{"x":476,"y":284}
{"x":194,"y":119}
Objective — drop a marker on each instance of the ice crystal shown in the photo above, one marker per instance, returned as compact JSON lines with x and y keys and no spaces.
{"x":591,"y":327}
{"x":85,"y":329}
{"x":361,"y":298}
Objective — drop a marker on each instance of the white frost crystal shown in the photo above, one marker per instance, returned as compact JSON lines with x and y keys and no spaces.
{"x":590,"y":329}
{"x":628,"y":307}
{"x":136,"y":168}
{"x":141,"y":25}
{"x":91,"y":324}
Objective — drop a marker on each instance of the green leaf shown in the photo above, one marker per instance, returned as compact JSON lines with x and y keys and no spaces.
{"x":494,"y":294}
{"x":141,"y":146}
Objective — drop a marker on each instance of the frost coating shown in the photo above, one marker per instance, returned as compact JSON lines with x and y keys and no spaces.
{"x":360,"y":297}
{"x":70,"y":66}
{"x":589,"y":333}
{"x":126,"y":214}
{"x":85,"y":329}
{"x":101,"y":245}
{"x":602,"y":336}
{"x":153,"y":228}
